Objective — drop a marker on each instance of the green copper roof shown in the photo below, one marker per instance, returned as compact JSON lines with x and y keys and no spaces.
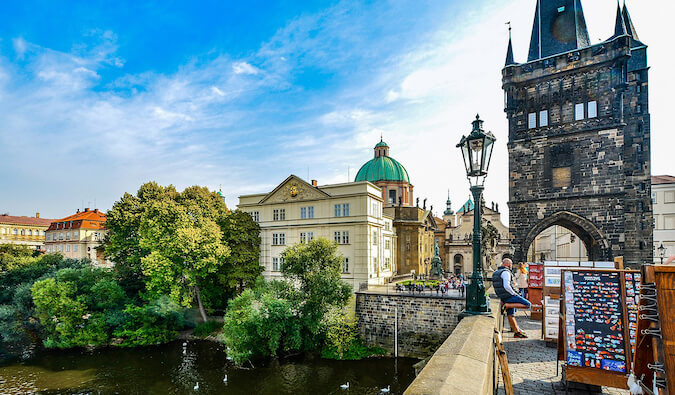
{"x":381,"y":144}
{"x":383,"y":168}
{"x":468,"y":206}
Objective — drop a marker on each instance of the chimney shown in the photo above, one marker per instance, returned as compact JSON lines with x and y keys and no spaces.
{"x":96,"y":210}
{"x":78,"y":210}
{"x":37,"y":215}
{"x":314,"y":183}
{"x":86,"y":209}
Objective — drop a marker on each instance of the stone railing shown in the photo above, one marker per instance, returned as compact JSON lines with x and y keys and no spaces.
{"x":464,"y":363}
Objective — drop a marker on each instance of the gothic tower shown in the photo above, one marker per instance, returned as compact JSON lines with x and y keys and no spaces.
{"x":579,"y":135}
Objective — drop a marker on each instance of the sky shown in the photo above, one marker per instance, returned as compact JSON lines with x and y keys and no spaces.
{"x":98,"y":97}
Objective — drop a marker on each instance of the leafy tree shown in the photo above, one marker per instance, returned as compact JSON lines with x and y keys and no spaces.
{"x":122,"y":244}
{"x":186,"y":246}
{"x":154,"y":323}
{"x":316,"y":268}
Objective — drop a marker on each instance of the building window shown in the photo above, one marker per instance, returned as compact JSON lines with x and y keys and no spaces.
{"x":303,"y":212}
{"x":67,"y":235}
{"x":392,"y":196}
{"x":374,"y":237}
{"x":336,"y":237}
{"x":75,"y":248}
{"x":278,"y":239}
{"x":592,"y":109}
{"x":638,"y":88}
{"x":276,"y":264}
{"x":669,"y":197}
{"x":669,"y":222}
{"x":532,"y":120}
{"x":61,"y":247}
{"x":374,"y":264}
{"x":15,"y":232}
{"x":23,"y":232}
{"x":387,"y":263}
{"x":387,"y":244}
{"x":345,"y":210}
{"x":638,"y":108}
{"x":387,"y":225}
{"x":255,"y":215}
{"x":543,"y":118}
{"x":338,"y":210}
{"x":61,"y":236}
{"x":306,"y":237}
{"x":345,"y":265}
{"x":306,"y":212}
{"x":640,"y":206}
{"x":279,"y":214}
{"x":345,"y":237}
{"x":579,"y":112}
{"x":341,"y":237}
{"x":310,"y":212}
{"x":67,"y":247}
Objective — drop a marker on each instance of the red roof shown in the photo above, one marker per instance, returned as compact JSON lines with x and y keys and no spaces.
{"x":88,"y":219}
{"x":656,"y":180}
{"x":30,"y":221}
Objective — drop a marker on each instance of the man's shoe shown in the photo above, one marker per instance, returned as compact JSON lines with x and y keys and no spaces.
{"x":520,"y":335}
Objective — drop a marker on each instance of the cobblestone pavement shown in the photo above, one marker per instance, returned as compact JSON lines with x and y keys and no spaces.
{"x":533,"y":365}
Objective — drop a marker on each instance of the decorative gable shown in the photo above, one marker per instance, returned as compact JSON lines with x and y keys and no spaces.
{"x":294,"y":189}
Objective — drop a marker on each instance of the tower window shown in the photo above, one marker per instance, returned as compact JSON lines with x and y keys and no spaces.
{"x":579,"y":112}
{"x":543,"y":118}
{"x":532,"y":120}
{"x":592,"y":109}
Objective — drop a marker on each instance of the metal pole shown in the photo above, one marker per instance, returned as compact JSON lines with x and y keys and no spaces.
{"x":396,"y":331}
{"x":476,"y":302}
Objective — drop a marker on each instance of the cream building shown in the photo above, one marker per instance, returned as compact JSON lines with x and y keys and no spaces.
{"x":349,"y":214}
{"x":28,"y":231}
{"x":78,"y":236}
{"x":663,"y":199}
{"x":557,"y":244}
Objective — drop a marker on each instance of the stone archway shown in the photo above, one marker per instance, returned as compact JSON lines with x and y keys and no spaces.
{"x":595,"y":242}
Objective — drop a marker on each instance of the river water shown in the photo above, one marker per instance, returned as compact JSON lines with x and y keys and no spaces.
{"x":167,"y":369}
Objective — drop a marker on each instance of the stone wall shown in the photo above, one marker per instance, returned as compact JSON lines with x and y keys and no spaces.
{"x":423,"y":322}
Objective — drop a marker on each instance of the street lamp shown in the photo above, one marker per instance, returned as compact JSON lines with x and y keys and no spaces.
{"x":477,"y":151}
{"x":662,"y":252}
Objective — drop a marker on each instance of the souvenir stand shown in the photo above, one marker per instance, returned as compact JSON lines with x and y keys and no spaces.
{"x":598,"y":324}
{"x":535,"y":289}
{"x":654,"y":348}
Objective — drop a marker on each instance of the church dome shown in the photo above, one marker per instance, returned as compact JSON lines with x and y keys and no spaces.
{"x":382,"y":167}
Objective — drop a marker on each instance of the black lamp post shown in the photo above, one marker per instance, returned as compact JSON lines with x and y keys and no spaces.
{"x":662,"y":252}
{"x":477,"y":151}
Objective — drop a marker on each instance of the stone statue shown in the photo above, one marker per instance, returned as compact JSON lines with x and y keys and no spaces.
{"x":436,"y":271}
{"x":417,"y":202}
{"x":424,"y":206}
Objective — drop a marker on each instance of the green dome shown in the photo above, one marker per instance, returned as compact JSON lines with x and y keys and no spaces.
{"x":383,"y":168}
{"x":381,"y":144}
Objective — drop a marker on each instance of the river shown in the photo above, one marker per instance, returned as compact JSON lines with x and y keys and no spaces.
{"x":167,"y":369}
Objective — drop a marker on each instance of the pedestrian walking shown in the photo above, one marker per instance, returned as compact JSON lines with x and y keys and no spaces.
{"x":502,"y":281}
{"x":521,"y":279}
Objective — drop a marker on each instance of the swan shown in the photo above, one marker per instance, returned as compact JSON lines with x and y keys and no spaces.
{"x":196,"y":388}
{"x":184,"y":344}
{"x":225,"y":379}
{"x":386,"y":390}
{"x":345,"y":386}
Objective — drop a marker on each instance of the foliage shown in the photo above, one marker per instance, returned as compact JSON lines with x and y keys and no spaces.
{"x":185,"y":245}
{"x":13,"y":256}
{"x":18,"y":326}
{"x":316,"y":269}
{"x":154,"y":323}
{"x":207,"y":328}
{"x":288,"y":316}
{"x":354,"y":351}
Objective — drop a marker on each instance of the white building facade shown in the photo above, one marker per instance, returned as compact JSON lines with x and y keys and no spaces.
{"x":663,"y":199}
{"x":349,"y":214}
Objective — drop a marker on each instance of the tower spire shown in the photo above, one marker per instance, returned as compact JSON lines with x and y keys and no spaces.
{"x":509,"y":50}
{"x":619,"y":25}
{"x":630,"y":29}
{"x":559,"y":26}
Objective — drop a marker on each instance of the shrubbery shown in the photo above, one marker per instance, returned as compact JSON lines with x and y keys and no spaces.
{"x":207,"y":328}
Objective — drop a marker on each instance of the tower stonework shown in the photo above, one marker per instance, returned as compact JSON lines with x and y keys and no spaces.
{"x":579,"y":136}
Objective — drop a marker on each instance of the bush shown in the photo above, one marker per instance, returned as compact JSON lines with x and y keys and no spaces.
{"x":155,"y":323}
{"x":207,"y":328}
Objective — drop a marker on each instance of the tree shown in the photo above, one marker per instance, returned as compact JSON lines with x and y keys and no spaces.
{"x":185,"y":247}
{"x":316,"y":269}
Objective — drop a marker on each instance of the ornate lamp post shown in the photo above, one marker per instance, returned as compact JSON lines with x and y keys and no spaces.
{"x":662,"y":252}
{"x":477,"y":151}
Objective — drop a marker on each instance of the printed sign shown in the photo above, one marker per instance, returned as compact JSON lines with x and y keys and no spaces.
{"x":595,"y":327}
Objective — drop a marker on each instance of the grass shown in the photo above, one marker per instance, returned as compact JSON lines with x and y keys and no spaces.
{"x":428,"y":283}
{"x":207,"y":328}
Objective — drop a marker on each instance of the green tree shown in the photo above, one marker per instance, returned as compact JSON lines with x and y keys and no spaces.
{"x":316,"y":269}
{"x":186,"y":246}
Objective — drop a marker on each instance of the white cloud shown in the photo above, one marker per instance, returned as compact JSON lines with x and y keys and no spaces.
{"x":244,"y":68}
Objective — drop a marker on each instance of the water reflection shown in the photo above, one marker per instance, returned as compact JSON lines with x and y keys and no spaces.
{"x":173,"y":369}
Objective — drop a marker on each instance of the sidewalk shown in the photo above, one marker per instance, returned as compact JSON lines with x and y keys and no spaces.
{"x":532,"y":364}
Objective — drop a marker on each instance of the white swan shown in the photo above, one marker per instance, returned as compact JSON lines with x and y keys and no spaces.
{"x":345,"y":386}
{"x":196,"y":388}
{"x":386,"y":390}
{"x":225,"y":379}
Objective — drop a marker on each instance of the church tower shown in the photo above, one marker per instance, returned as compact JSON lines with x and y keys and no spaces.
{"x":579,"y":135}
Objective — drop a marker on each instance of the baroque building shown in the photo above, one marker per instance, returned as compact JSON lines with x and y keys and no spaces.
{"x":349,"y":214}
{"x":28,"y":231}
{"x":579,"y":135}
{"x":79,"y":236}
{"x":414,"y":225}
{"x":663,"y":198}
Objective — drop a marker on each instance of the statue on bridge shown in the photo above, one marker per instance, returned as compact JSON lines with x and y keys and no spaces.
{"x":436,"y":271}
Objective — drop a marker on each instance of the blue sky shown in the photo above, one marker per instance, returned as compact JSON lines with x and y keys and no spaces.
{"x":99,"y":97}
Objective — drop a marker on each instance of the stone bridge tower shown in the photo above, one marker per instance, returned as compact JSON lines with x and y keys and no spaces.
{"x":579,"y":135}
